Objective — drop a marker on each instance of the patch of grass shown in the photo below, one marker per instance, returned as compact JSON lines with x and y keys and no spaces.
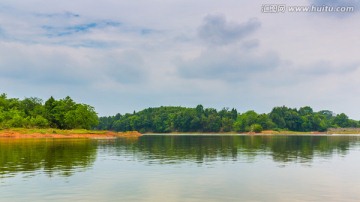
{"x":52,"y":131}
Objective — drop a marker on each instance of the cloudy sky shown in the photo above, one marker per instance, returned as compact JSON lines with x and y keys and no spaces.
{"x":120,"y":56}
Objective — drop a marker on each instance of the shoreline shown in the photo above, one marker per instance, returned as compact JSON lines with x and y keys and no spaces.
{"x":96,"y":134}
{"x":263,"y":133}
{"x":58,"y":134}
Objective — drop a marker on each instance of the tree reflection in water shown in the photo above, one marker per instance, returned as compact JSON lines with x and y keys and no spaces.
{"x":52,"y":156}
{"x":200,"y":149}
{"x":65,"y":157}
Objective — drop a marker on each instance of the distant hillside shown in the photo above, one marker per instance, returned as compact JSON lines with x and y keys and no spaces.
{"x":198,"y":119}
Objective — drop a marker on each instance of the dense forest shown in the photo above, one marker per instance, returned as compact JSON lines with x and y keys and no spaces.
{"x":66,"y":114}
{"x":33,"y":113}
{"x":200,"y":119}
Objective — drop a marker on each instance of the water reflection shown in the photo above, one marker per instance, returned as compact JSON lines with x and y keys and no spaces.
{"x":202,"y":149}
{"x":51,"y":156}
{"x":64,"y":157}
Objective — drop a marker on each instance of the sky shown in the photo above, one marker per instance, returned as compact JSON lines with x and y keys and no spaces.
{"x":120,"y":56}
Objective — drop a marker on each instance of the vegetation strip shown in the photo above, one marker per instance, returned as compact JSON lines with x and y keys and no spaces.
{"x":66,"y":114}
{"x":205,"y":120}
{"x":33,"y":113}
{"x":56,"y":133}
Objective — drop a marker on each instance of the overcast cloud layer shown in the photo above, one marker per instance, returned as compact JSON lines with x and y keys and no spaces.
{"x":120,"y":56}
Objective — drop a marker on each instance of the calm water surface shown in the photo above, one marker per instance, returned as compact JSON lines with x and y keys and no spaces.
{"x":182,"y":168}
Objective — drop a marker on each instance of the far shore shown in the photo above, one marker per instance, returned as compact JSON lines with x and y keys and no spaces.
{"x":265,"y":132}
{"x":99,"y":134}
{"x":56,"y":133}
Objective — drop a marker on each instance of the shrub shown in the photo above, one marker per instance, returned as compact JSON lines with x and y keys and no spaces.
{"x":257,"y":128}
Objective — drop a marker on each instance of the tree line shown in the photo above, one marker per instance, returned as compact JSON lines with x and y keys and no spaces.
{"x":66,"y":114}
{"x":200,"y":119}
{"x":34,"y":113}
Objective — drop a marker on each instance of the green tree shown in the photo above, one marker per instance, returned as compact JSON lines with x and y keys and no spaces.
{"x":227,"y":124}
{"x":341,"y":120}
{"x":265,"y":122}
{"x":15,"y":118}
{"x":38,"y":122}
{"x":50,"y":105}
{"x":257,"y":128}
{"x":277,"y":115}
{"x":303,"y":111}
{"x":82,"y":116}
{"x":245,"y":120}
{"x":32,"y":106}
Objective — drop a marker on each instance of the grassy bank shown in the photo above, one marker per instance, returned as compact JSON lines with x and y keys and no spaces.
{"x":57,"y":133}
{"x":343,"y":131}
{"x":264,"y":132}
{"x":82,"y":133}
{"x":340,"y":131}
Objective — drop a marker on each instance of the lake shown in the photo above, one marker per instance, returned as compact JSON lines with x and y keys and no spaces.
{"x":182,"y":168}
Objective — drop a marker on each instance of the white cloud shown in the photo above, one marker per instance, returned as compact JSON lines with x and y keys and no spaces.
{"x":108,"y":55}
{"x":47,"y":65}
{"x":336,"y":2}
{"x":229,"y":65}
{"x":216,"y":30}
